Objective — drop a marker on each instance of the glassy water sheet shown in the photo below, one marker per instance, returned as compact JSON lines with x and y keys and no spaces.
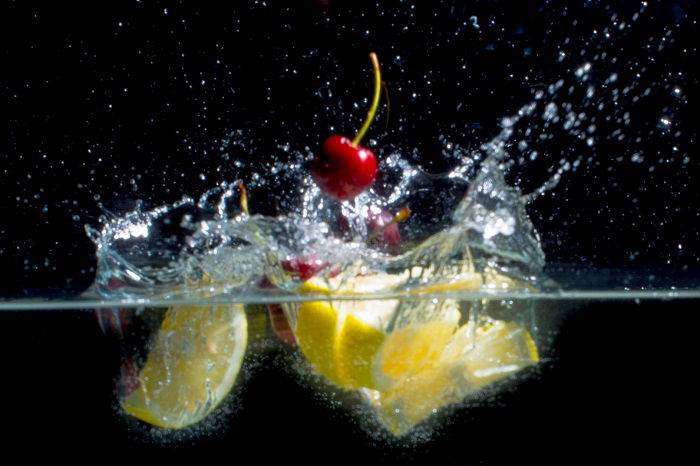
{"x":568,"y":282}
{"x":397,"y":367}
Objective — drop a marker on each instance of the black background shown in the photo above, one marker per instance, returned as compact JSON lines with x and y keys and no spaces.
{"x":117,"y":102}
{"x":618,"y":385}
{"x":96,"y":95}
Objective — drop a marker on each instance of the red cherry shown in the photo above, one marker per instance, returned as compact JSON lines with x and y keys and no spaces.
{"x":343,"y":170}
{"x":388,"y":236}
{"x":304,"y":267}
{"x":382,"y":230}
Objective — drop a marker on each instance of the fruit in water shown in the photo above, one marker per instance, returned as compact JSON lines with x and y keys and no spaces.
{"x":386,"y":230}
{"x":408,"y":350}
{"x":492,"y":351}
{"x":472,"y":359}
{"x":382,"y":228}
{"x":279,"y":324}
{"x":340,"y":339}
{"x":193,"y":365}
{"x":424,"y":364}
{"x":304,"y":267}
{"x":346,"y":341}
{"x":343,"y":168}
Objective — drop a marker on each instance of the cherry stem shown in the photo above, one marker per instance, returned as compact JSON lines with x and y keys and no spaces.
{"x":375,"y":100}
{"x":402,"y":215}
{"x":244,"y":198}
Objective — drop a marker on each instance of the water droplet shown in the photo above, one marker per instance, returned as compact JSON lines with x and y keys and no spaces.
{"x":583,"y":70}
{"x":550,"y":112}
{"x":665,"y":122}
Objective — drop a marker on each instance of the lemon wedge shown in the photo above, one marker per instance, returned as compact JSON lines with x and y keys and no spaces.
{"x":348,"y":341}
{"x":357,"y":344}
{"x":192,"y":366}
{"x":408,"y":357}
{"x":492,"y":351}
{"x":473,"y":359}
{"x":409,"y":349}
{"x":316,"y":325}
{"x":341,"y":338}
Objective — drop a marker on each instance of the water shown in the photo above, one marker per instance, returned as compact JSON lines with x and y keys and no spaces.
{"x":600,"y":378}
{"x":552,"y":146}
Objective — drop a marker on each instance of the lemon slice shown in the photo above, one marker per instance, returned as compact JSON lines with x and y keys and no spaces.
{"x":341,"y":338}
{"x":193,"y":365}
{"x":409,"y":349}
{"x":473,"y":359}
{"x":492,"y":351}
{"x":316,"y":325}
{"x":417,"y":397}
{"x":358,"y":341}
{"x":346,"y":341}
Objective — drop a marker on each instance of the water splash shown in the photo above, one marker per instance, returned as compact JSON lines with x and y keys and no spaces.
{"x":208,"y":246}
{"x":473,"y":216}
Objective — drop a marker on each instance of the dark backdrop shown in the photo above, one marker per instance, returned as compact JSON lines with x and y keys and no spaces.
{"x":116,"y":101}
{"x":618,"y":386}
{"x":154,"y":100}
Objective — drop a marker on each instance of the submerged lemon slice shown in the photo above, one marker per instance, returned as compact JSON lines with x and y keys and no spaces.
{"x":357,"y":344}
{"x":408,"y":350}
{"x":492,"y":351}
{"x":408,"y":357}
{"x":472,"y":359}
{"x":193,"y":365}
{"x":347,"y":341}
{"x":341,"y":338}
{"x":337,"y":343}
{"x":315,"y":334}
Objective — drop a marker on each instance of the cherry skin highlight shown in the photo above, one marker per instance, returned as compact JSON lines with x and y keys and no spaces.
{"x":343,"y":170}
